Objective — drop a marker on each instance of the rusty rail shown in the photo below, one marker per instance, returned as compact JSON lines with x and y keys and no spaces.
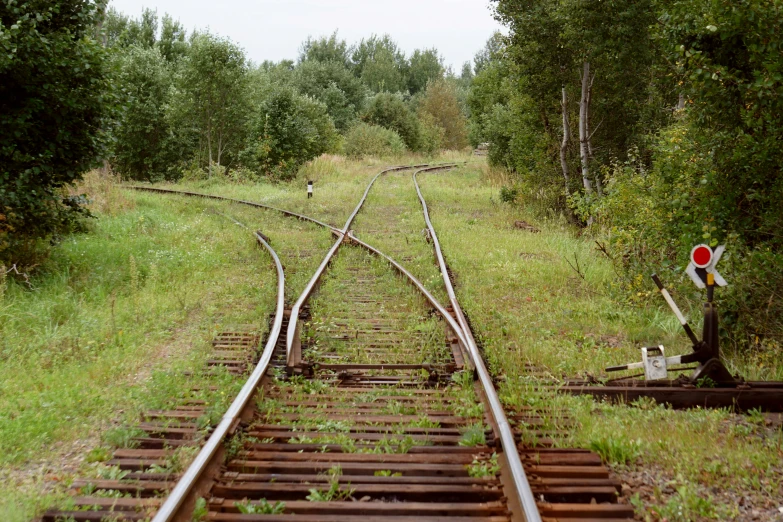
{"x":231,"y":418}
{"x":305,"y":295}
{"x":458,"y":325}
{"x":523,"y":490}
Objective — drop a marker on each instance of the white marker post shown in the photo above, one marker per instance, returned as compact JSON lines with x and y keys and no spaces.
{"x":309,"y":189}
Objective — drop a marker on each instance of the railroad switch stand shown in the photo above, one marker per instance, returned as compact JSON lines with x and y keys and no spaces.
{"x":706,"y":352}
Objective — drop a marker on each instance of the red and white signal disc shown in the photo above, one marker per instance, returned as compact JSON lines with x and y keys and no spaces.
{"x":701,"y":256}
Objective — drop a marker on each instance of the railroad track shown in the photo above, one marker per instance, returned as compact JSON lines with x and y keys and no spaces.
{"x":370,"y":399}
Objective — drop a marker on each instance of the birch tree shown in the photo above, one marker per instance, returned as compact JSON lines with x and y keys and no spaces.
{"x":211,"y":96}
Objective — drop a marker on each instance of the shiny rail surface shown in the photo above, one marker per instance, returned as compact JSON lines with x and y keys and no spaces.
{"x":508,"y":441}
{"x":230,"y":419}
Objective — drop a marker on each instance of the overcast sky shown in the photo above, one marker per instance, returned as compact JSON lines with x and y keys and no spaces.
{"x":274,"y":29}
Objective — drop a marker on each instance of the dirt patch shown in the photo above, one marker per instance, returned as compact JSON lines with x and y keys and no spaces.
{"x":664,"y":495}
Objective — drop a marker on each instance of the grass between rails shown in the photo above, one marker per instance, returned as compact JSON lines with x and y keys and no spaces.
{"x":528,"y":305}
{"x":94,"y":332}
{"x":381,"y":297}
{"x":117,"y":315}
{"x":392,"y":221}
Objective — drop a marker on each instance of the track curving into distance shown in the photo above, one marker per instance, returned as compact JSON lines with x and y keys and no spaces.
{"x":458,"y":325}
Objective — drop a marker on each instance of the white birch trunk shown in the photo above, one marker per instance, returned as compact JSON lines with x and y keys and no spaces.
{"x":583,"y":136}
{"x":566,"y":138}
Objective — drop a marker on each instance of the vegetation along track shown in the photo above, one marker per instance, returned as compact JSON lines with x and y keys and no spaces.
{"x":368,"y":406}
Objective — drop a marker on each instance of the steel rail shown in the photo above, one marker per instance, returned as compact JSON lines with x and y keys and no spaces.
{"x":524,"y":492}
{"x":187,"y":482}
{"x":233,"y":200}
{"x":191,"y":476}
{"x":305,"y":295}
{"x":431,"y":298}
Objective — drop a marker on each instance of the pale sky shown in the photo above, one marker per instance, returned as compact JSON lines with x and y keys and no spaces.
{"x":274,"y":29}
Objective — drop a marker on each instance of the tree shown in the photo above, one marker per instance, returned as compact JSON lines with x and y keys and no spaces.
{"x":380,"y":64}
{"x":145,"y":146}
{"x":287,"y":130}
{"x":172,"y":42}
{"x":325,"y":49}
{"x":597,"y":52}
{"x":55,"y":101}
{"x":390,"y":111}
{"x":121,"y":31}
{"x":490,"y":52}
{"x":334,"y":85}
{"x":440,"y":103}
{"x":424,"y":66}
{"x":211,"y":96}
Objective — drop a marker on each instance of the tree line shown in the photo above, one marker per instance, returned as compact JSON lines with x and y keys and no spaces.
{"x":657,"y":125}
{"x":82,"y":84}
{"x":193,"y":103}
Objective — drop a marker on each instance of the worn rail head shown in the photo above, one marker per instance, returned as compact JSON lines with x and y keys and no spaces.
{"x":183,"y":491}
{"x":523,"y":490}
{"x":305,"y":295}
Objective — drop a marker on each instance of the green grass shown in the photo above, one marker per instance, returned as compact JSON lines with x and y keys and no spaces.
{"x":115,"y":318}
{"x":392,"y":221}
{"x":528,"y":306}
{"x":101,"y":337}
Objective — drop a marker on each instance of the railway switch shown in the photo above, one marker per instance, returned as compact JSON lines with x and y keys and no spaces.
{"x":706,"y":351}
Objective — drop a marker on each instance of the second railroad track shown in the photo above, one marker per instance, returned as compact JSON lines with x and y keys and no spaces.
{"x":370,"y":401}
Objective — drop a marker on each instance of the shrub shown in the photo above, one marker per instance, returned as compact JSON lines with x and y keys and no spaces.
{"x":391,"y":112}
{"x":432,"y":135}
{"x":55,"y":98}
{"x":288,"y":130}
{"x":335,"y":85}
{"x":372,"y":140}
{"x":144,"y":143}
{"x":508,"y":194}
{"x":440,"y":102}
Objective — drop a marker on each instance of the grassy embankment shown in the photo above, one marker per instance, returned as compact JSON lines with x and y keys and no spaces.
{"x":529,"y":306}
{"x":114,"y":318}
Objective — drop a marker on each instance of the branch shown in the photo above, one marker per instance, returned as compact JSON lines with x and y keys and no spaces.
{"x":576,"y":268}
{"x":25,"y":275}
{"x":594,"y":130}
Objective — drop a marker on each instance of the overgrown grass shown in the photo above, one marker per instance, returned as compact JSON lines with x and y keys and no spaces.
{"x":393,"y":222}
{"x":118,"y":313}
{"x":540,"y":299}
{"x":110,"y":324}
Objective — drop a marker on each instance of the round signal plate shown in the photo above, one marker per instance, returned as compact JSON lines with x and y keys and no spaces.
{"x":701,"y":256}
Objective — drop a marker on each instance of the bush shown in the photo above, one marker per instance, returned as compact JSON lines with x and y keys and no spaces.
{"x":391,"y":112}
{"x":288,"y":130}
{"x":55,"y":98}
{"x":372,"y":140}
{"x":145,"y":146}
{"x":432,"y":135}
{"x":335,"y":85}
{"x":441,"y":104}
{"x":509,"y":194}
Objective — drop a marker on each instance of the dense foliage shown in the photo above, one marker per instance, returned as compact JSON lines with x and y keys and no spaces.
{"x":54,"y":102}
{"x":194,"y":104}
{"x":672,"y":121}
{"x":364,"y":139}
{"x":79,"y":82}
{"x":287,"y":130}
